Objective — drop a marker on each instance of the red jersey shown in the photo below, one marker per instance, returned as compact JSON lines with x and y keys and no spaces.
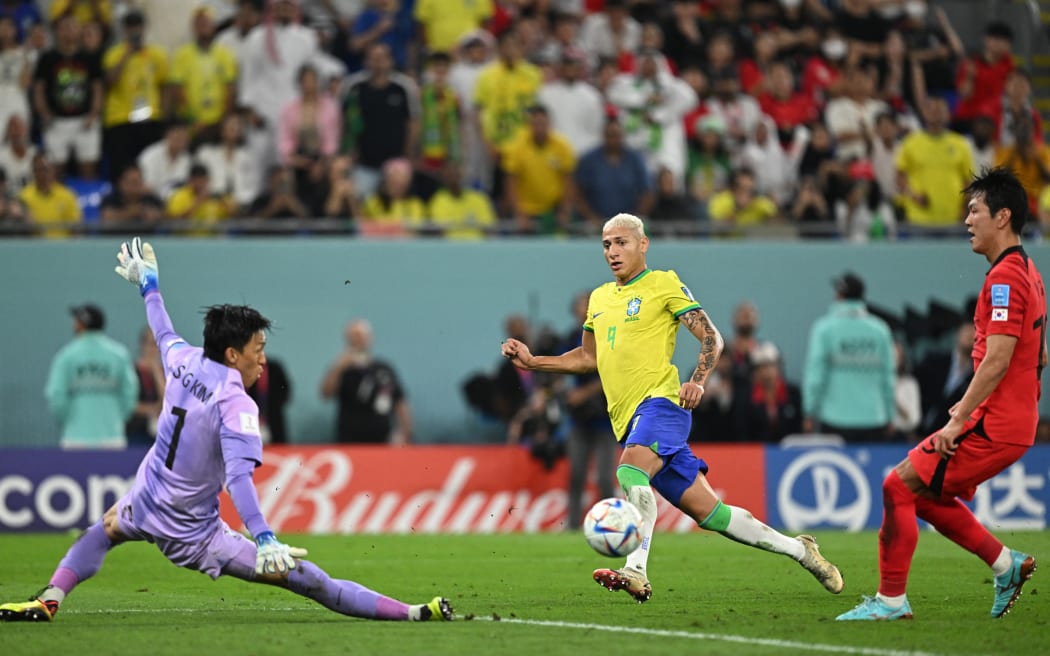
{"x":989,"y":79}
{"x":1012,"y":302}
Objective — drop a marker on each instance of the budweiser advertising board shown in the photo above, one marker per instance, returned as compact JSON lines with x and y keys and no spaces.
{"x":451,"y":489}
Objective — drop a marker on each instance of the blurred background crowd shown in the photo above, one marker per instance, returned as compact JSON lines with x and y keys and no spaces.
{"x":849,"y":119}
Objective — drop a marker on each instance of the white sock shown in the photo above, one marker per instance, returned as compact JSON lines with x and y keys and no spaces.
{"x":744,"y":528}
{"x":1003,"y":562}
{"x":414,"y":612}
{"x":892,"y":602}
{"x":643,"y":499}
{"x":53,"y":593}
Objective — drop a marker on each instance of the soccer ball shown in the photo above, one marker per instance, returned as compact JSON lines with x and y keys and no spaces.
{"x":613,"y":527}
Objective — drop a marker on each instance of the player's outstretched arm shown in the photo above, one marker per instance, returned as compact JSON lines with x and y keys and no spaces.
{"x":580,"y":360}
{"x":711,"y":345}
{"x":137,"y":263}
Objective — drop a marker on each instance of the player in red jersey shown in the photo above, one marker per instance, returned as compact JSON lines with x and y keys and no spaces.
{"x":989,"y":429}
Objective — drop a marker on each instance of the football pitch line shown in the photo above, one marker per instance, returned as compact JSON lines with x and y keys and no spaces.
{"x":724,"y":637}
{"x":772,"y":643}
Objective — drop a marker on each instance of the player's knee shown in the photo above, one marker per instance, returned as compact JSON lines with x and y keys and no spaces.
{"x":631,"y":476}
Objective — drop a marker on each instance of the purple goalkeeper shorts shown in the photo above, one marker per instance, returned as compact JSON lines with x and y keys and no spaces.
{"x":225,"y":551}
{"x":664,"y":427}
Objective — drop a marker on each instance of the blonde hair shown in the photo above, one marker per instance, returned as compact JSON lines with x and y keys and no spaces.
{"x":629,"y":221}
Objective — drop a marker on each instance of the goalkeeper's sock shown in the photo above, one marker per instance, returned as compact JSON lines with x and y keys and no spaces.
{"x":344,"y":596}
{"x":741,"y":526}
{"x":80,"y":563}
{"x":635,"y":483}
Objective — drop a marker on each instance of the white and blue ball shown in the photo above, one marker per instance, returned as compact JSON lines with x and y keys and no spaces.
{"x":613,"y":527}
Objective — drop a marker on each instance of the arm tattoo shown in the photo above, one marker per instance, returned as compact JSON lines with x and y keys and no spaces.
{"x":710,"y":343}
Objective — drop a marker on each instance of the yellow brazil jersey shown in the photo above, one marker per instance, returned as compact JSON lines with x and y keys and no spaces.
{"x":409,"y":210}
{"x":205,"y":76}
{"x":722,"y":207}
{"x":539,"y":170}
{"x":445,"y":21}
{"x":464,"y":216}
{"x":502,"y":95}
{"x":83,"y":10}
{"x":135,"y":96}
{"x":635,"y":327}
{"x":206,"y":214}
{"x":58,"y":206}
{"x":938,"y":166}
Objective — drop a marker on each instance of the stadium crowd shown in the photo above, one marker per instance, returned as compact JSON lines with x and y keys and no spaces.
{"x":854,"y":119}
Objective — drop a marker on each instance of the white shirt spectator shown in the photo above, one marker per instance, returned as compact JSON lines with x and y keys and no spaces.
{"x":884,"y":161}
{"x":19,"y":170}
{"x":665,"y":100}
{"x":856,"y":224}
{"x":160,"y":171}
{"x":273,"y":55}
{"x":15,"y":66}
{"x":231,"y":173}
{"x":740,"y":115}
{"x":844,"y":115}
{"x":763,"y":154}
{"x":598,"y":38}
{"x":576,"y":110}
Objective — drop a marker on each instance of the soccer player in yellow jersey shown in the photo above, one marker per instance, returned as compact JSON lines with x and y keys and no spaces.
{"x":629,"y":338}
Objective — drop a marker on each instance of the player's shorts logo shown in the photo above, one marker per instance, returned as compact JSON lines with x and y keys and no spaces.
{"x":824,"y":488}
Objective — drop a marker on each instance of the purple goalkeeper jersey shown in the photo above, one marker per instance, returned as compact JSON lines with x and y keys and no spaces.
{"x":207,"y":436}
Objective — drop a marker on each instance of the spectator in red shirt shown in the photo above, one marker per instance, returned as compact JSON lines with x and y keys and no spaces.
{"x":822,"y":77}
{"x":981,"y":77}
{"x":754,"y":71}
{"x":788,"y":108}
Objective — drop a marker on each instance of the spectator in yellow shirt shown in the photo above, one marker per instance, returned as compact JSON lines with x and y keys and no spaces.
{"x":203,"y":78}
{"x":195,"y":202}
{"x":740,"y":205}
{"x":49,"y":202}
{"x":135,"y":107}
{"x":444,"y":22}
{"x":460,"y":213}
{"x":84,"y":11}
{"x":539,"y":165}
{"x":393,"y":208}
{"x":933,"y":164}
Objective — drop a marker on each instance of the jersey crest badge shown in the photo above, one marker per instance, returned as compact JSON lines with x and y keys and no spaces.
{"x":1000,"y":295}
{"x":634,"y":306}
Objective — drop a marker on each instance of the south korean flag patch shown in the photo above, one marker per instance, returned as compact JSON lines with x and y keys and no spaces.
{"x":1000,"y":314}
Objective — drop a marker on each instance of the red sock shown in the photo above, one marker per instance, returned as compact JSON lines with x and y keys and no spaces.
{"x":897,"y":537}
{"x":953,"y":520}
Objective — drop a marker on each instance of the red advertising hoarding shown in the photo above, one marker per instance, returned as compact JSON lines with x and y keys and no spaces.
{"x":452,"y":489}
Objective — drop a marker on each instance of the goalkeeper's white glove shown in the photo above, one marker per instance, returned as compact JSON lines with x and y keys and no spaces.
{"x":273,"y":557}
{"x":138,"y":265}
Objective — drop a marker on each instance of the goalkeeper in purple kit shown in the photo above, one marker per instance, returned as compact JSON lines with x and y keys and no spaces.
{"x":207,"y":437}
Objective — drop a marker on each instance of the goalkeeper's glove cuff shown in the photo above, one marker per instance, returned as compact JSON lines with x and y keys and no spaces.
{"x":148,"y":283}
{"x":265,"y":537}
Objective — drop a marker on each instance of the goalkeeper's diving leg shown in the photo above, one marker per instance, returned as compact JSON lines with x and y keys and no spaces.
{"x":340,"y":595}
{"x":81,"y":562}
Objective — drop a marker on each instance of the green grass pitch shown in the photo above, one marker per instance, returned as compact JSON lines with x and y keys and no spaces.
{"x":529,"y":594}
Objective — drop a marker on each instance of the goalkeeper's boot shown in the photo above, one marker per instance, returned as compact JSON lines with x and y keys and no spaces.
{"x":627,"y":579}
{"x":873,"y":608}
{"x":1008,"y":585}
{"x":438,"y":610}
{"x":34,"y":610}
{"x":819,"y":566}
